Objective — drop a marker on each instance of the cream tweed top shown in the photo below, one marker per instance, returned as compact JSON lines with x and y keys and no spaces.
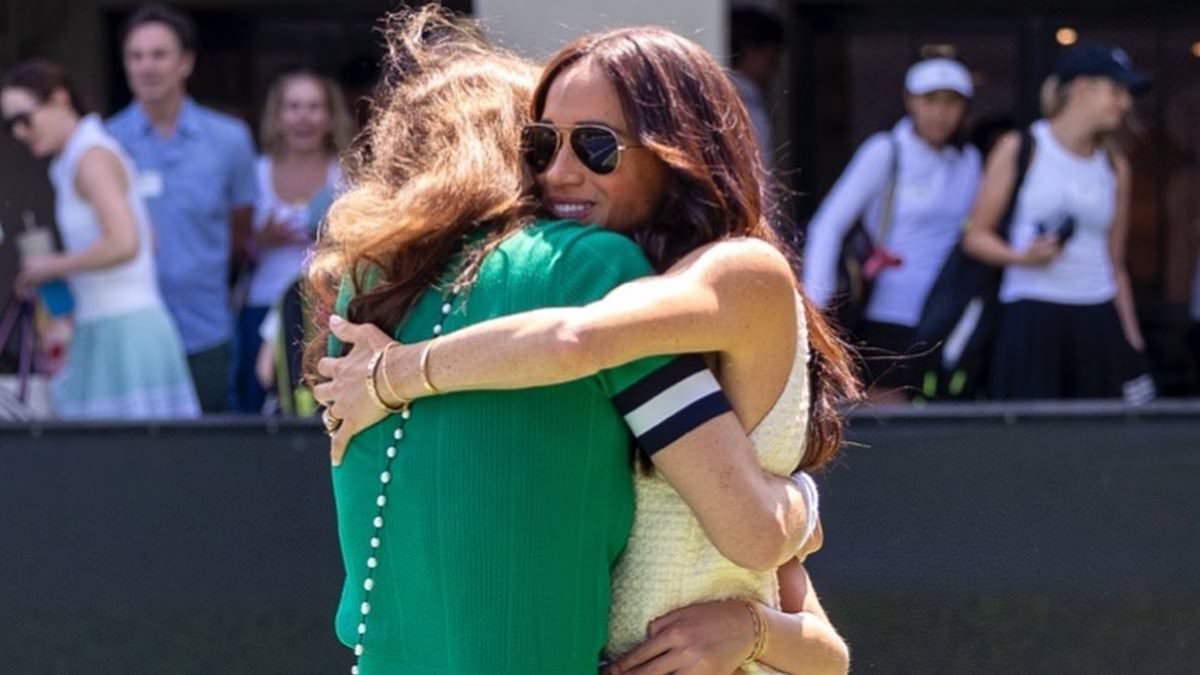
{"x":669,"y":563}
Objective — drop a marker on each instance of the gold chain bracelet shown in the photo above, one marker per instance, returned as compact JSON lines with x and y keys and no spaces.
{"x":760,"y":631}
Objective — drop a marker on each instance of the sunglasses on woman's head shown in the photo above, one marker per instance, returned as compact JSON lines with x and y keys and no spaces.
{"x":597,"y":147}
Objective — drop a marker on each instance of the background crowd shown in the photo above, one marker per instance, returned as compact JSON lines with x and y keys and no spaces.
{"x":182,"y":239}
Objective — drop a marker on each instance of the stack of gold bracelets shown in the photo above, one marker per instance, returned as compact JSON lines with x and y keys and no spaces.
{"x":373,"y":381}
{"x":377,"y":365}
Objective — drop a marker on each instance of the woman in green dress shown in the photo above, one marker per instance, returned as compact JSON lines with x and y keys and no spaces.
{"x":494,"y":555}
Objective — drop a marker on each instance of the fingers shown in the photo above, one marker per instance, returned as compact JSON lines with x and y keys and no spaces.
{"x":343,"y":329}
{"x":327,"y":367}
{"x":323,"y":393}
{"x":367,"y":335}
{"x":1049,"y":243}
{"x":665,"y":664}
{"x":657,"y":626}
{"x":1043,"y":250}
{"x":643,"y":654}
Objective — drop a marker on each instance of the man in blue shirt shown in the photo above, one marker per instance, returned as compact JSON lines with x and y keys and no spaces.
{"x":196,"y":173}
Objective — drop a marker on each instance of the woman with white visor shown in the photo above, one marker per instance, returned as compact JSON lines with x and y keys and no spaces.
{"x":912,"y":187}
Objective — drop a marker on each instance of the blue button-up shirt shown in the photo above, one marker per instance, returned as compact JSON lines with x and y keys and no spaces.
{"x":191,"y":182}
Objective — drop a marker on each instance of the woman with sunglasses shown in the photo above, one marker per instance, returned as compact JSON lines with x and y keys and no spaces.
{"x":126,"y":359}
{"x":681,"y":178}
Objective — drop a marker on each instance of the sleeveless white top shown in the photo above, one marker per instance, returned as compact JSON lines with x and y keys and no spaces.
{"x":1060,"y":183}
{"x":123,"y":288}
{"x":278,"y":267}
{"x":669,"y":562}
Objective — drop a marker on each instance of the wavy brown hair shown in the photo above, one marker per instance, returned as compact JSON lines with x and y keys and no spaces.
{"x":439,"y":161}
{"x":683,"y":107}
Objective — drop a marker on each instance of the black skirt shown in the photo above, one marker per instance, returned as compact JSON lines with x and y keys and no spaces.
{"x":1045,"y":350}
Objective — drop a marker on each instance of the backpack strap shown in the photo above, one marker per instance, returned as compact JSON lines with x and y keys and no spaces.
{"x":889,"y":198}
{"x":1024,"y":157}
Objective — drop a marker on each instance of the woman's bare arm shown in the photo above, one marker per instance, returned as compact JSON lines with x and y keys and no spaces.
{"x":719,"y":303}
{"x":801,"y":638}
{"x":101,"y":180}
{"x":715,"y":302}
{"x":1117,"y":238}
{"x":982,"y":241}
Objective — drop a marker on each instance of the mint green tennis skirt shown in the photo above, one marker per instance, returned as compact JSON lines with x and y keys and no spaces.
{"x":127,"y":366}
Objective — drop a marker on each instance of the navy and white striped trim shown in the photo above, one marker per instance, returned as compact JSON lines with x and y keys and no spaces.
{"x":671,"y":401}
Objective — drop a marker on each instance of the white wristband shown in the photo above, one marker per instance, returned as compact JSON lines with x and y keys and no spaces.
{"x":812,"y":501}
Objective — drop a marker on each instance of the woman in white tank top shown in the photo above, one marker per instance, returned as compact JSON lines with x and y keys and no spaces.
{"x":1068,"y":328}
{"x":126,"y":359}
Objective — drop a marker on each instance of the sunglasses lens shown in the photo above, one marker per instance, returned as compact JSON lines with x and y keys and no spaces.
{"x":597,"y":148}
{"x":538,"y":145}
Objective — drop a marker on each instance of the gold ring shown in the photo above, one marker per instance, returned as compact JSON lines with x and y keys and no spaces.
{"x":332,"y":424}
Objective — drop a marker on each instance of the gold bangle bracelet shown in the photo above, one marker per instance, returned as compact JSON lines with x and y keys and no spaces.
{"x":760,"y":631}
{"x":387,"y":381}
{"x":373,"y":384}
{"x":425,"y":368}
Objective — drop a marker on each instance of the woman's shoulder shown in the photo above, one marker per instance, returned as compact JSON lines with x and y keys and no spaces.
{"x":880,"y":147}
{"x":100,"y":166}
{"x":1004,"y":151}
{"x":565,"y":262}
{"x":740,"y":259}
{"x":750,"y":271}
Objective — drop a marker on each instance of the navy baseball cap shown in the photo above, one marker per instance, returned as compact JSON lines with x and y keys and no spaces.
{"x":1095,"y":60}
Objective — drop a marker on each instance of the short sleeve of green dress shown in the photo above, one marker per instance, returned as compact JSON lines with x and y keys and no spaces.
{"x":598,"y":263}
{"x":488,"y":546}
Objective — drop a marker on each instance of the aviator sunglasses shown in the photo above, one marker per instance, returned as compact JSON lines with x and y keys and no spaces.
{"x":597,"y":147}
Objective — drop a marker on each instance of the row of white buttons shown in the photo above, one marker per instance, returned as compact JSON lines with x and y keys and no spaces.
{"x":381,"y":501}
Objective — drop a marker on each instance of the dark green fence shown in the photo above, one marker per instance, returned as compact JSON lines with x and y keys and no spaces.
{"x":1061,"y":539}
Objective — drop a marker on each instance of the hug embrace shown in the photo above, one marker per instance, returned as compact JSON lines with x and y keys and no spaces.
{"x":573,"y":389}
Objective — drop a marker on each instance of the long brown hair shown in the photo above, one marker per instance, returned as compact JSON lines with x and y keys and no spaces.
{"x":683,"y":107}
{"x":439,"y":161}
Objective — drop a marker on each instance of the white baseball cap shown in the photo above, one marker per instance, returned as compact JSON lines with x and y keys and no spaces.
{"x":939,"y":74}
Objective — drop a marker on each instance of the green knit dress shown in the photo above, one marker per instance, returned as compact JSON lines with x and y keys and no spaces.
{"x":503,"y":512}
